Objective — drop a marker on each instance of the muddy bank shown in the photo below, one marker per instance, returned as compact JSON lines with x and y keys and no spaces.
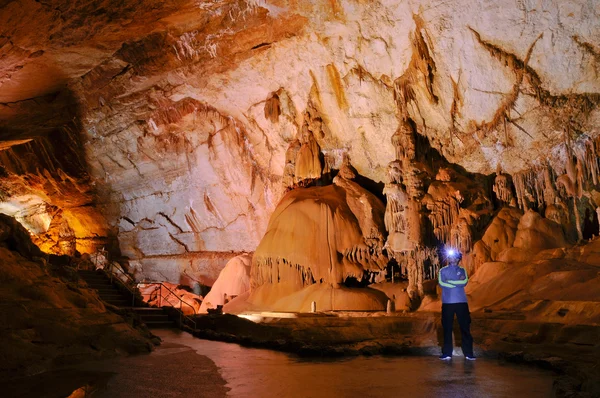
{"x":49,"y":318}
{"x":571,"y":351}
{"x":172,"y":370}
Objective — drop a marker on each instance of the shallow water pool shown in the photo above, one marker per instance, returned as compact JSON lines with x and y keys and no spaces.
{"x":262,"y":373}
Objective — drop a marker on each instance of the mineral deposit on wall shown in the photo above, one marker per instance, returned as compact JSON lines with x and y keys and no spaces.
{"x":192,"y":114}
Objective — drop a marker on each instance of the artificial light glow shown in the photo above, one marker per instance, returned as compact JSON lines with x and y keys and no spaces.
{"x":251,"y":317}
{"x":451,"y":253}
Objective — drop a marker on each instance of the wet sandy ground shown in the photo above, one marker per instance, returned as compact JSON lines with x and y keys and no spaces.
{"x":172,"y":370}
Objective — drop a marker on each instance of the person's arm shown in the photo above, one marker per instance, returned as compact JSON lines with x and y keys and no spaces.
{"x":464,"y":279}
{"x":443,"y":282}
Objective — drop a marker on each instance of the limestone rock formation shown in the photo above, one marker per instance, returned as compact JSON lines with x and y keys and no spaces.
{"x":499,"y":235}
{"x":46,"y":187}
{"x":167,"y":132}
{"x":50,"y":319}
{"x":535,"y":233}
{"x":233,"y":281}
{"x":325,"y":235}
{"x":170,"y":295}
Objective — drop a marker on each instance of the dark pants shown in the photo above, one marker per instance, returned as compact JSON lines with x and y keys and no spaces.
{"x":464,"y":321}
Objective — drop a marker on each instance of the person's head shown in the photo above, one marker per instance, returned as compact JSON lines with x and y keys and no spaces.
{"x":453,"y":256}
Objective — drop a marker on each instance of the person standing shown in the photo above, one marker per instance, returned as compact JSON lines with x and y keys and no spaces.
{"x":453,"y":279}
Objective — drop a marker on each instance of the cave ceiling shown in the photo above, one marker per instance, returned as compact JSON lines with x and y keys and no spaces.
{"x":172,"y":119}
{"x":482,"y":81}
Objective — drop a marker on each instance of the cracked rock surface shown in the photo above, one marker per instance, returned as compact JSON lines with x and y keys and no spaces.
{"x":178,"y":115}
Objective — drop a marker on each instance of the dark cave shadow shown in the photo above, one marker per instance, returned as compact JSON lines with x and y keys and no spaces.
{"x":45,"y":154}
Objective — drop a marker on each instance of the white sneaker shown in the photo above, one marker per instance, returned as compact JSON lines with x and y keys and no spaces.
{"x":445,"y":357}
{"x":468,"y":358}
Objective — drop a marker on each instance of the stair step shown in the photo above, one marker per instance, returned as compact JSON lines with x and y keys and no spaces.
{"x":97,"y":282}
{"x":95,"y":276}
{"x":148,"y":310}
{"x":101,"y":281}
{"x":103,"y":287}
{"x":112,"y":296}
{"x":108,"y":290}
{"x":92,"y":280}
{"x":160,"y":324}
{"x":151,"y":318}
{"x":118,"y":303}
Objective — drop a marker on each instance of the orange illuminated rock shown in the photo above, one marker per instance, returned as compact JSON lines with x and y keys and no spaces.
{"x":320,"y":235}
{"x":233,"y":281}
{"x":535,"y":233}
{"x":48,"y":303}
{"x":167,"y":294}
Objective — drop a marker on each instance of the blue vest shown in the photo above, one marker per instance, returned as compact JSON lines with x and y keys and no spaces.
{"x":453,"y":280}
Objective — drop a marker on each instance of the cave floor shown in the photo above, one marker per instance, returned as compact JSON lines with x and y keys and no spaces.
{"x":171,"y":370}
{"x":253,"y":372}
{"x":571,"y":350}
{"x":334,"y":346}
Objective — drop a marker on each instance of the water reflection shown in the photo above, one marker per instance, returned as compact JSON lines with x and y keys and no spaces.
{"x":262,"y":373}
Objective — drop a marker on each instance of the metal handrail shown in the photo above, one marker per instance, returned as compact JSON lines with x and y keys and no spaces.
{"x":111,"y":272}
{"x":181,"y":301}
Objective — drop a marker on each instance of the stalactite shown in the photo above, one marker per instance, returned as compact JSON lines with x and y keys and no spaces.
{"x":549,"y":188}
{"x":461,"y":236}
{"x":587,"y":159}
{"x":270,"y":269}
{"x":289,"y":169}
{"x":550,"y":195}
{"x":370,"y":258}
{"x":273,"y":108}
{"x":503,"y":189}
{"x":395,"y":219}
{"x":530,"y":187}
{"x":308,"y":162}
{"x":443,"y":214}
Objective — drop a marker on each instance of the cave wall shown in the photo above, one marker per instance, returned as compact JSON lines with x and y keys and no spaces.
{"x":45,"y":185}
{"x":187,"y":110}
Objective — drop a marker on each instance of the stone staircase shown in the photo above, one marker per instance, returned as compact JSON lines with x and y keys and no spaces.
{"x":154,"y":317}
{"x":111,"y":294}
